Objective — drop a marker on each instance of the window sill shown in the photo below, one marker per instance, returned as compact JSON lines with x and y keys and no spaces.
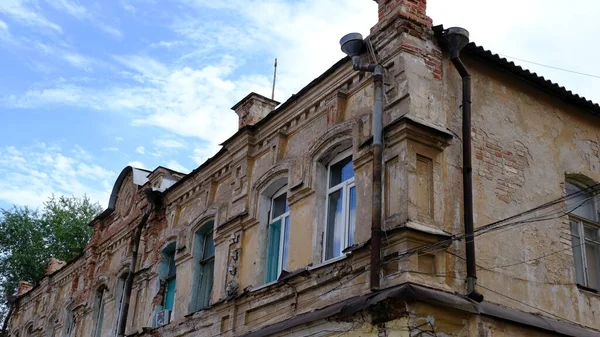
{"x":330,"y":261}
{"x":588,"y":290}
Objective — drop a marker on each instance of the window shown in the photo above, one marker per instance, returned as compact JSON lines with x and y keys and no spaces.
{"x":585,"y":236}
{"x":278,"y":235}
{"x":341,"y":206}
{"x":99,"y":312}
{"x":168,"y":283}
{"x":119,"y":296}
{"x":205,"y":257}
{"x":69,"y":325}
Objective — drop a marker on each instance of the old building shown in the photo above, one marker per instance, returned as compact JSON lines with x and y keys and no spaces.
{"x":272,"y":235}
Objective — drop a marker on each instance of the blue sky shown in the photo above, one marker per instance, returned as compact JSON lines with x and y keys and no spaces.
{"x":89,"y":87}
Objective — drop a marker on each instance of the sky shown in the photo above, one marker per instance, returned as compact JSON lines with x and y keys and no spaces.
{"x":88,"y":87}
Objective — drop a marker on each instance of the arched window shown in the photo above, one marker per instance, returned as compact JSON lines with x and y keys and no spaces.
{"x":99,"y":311}
{"x":585,"y":234}
{"x":341,"y":206}
{"x":204,"y":255}
{"x":278,"y":235}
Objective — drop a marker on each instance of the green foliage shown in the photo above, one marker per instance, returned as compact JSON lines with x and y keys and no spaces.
{"x":29,"y":238}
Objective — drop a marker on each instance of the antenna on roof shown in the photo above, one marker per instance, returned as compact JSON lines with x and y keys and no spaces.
{"x":274,"y":78}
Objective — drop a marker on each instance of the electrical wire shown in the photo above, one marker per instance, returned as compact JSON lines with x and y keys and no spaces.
{"x":529,"y":305}
{"x":551,"y":67}
{"x":502,"y":223}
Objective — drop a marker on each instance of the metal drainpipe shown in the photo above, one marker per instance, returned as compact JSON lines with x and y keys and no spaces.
{"x":377,"y":188}
{"x":467,"y":176}
{"x":129,"y":281}
{"x":377,"y":125}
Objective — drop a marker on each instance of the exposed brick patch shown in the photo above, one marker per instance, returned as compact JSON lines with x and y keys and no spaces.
{"x":504,"y":163}
{"x":432,"y":58}
{"x":413,"y":10}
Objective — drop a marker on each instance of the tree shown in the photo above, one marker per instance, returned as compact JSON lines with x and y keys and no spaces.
{"x":29,"y":238}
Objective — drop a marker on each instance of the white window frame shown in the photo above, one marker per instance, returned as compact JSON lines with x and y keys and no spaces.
{"x":346,"y":186}
{"x":283,"y":217}
{"x":582,"y":223}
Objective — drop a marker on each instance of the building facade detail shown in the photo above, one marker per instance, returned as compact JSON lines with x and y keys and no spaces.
{"x":271,"y":236}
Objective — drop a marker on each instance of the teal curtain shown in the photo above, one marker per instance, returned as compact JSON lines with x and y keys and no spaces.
{"x":273,"y":251}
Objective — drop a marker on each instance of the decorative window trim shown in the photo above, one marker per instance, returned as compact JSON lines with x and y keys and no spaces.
{"x":345,"y":186}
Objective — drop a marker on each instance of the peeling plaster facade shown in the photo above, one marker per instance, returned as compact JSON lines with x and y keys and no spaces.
{"x":525,"y":142}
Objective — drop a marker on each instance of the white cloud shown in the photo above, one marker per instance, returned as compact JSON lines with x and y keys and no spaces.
{"x":168,"y":144}
{"x":19,"y":11}
{"x":3,"y":25}
{"x":110,"y":30}
{"x":137,"y":164}
{"x":130,"y":8}
{"x":174,"y":165}
{"x":29,"y":175}
{"x":140,"y":150}
{"x":71,"y":8}
{"x":110,"y":149}
{"x":119,"y":138}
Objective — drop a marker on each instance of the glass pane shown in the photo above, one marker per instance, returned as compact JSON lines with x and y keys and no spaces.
{"x":206,"y":284}
{"x":590,"y":233}
{"x":335,"y":226}
{"x":341,"y":171}
{"x":171,"y":264}
{"x":279,"y":206}
{"x":170,"y":296}
{"x":577,"y":254}
{"x":273,"y":251}
{"x":209,"y":246}
{"x":593,"y":262}
{"x":286,"y":244}
{"x":352,"y":216}
{"x":100,"y":317}
{"x":581,"y":205}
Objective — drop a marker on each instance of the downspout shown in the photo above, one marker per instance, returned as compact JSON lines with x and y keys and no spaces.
{"x":352,"y":44}
{"x":151,"y":196}
{"x":377,"y":188}
{"x":457,"y":38}
{"x":377,"y":126}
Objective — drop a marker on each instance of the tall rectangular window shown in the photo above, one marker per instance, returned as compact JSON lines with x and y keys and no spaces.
{"x":205,"y":259}
{"x":171,"y":280}
{"x":585,"y":235}
{"x":119,"y":296}
{"x":278,"y":235}
{"x":341,"y":206}
{"x":99,"y":312}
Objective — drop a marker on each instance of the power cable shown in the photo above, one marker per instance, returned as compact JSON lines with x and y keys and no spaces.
{"x":529,"y":305}
{"x":502,"y":223}
{"x":551,"y":67}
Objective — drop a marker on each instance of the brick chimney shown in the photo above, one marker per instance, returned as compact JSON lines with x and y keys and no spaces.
{"x":413,"y":10}
{"x":54,"y":265}
{"x":23,"y":288}
{"x":253,"y":108}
